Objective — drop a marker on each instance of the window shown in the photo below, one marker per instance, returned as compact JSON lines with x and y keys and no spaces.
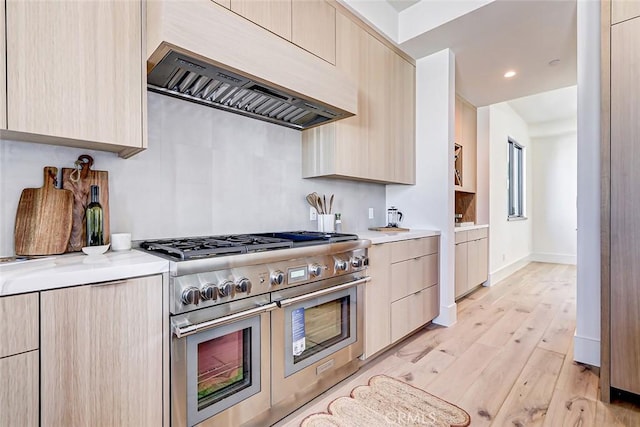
{"x":516,"y":180}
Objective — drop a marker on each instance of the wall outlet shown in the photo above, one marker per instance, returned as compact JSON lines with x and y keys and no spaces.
{"x":313,"y":215}
{"x":370,"y":213}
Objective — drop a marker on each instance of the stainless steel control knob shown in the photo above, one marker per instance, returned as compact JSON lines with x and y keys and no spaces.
{"x":227,"y":289}
{"x":356,"y":262}
{"x":341,"y":265}
{"x":277,"y":278}
{"x":209,"y":292}
{"x":315,"y":270}
{"x":191,"y":295}
{"x":243,"y":285}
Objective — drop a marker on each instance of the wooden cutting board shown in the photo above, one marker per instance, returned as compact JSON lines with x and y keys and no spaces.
{"x":79,"y":181}
{"x":44,"y":218}
{"x":387,"y":229}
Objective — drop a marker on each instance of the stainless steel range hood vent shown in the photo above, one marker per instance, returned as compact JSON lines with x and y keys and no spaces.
{"x":193,"y":80}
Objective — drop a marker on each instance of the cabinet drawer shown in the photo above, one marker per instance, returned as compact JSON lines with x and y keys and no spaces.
{"x":413,"y":311}
{"x":408,"y":277}
{"x":462,"y":236}
{"x":18,"y":324}
{"x":407,"y":249}
{"x":479,"y":233}
{"x":19,"y":393}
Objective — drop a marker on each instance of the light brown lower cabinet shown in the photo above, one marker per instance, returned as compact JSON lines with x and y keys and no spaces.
{"x":19,"y":359}
{"x":472,"y":260}
{"x":102,"y":354}
{"x":19,"y":390}
{"x":403,"y":293}
{"x":377,"y":296}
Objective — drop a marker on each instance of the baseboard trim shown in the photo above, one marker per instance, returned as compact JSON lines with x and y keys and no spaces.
{"x":506,"y":271}
{"x":553,"y":258}
{"x":586,"y":350}
{"x":448,"y":315}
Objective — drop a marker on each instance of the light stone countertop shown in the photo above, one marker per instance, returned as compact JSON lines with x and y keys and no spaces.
{"x":378,"y":237}
{"x":58,"y":271}
{"x":471,"y":227}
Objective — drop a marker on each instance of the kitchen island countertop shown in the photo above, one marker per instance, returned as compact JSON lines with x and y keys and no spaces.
{"x":58,"y":271}
{"x":378,"y":237}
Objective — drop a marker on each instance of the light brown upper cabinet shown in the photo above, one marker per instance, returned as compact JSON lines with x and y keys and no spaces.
{"x":621,"y":10}
{"x":378,"y":144}
{"x":75,"y":74}
{"x":274,"y":15}
{"x":313,"y":27}
{"x":466,"y":137}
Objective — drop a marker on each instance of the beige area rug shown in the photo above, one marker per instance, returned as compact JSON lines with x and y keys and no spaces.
{"x":387,"y":401}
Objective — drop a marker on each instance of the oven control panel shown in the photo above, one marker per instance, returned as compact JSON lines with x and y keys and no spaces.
{"x":193,"y":291}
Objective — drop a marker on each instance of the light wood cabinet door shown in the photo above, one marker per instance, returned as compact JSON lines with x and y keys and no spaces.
{"x":313,"y":27}
{"x":75,"y":71}
{"x":274,"y":15}
{"x":19,"y":390}
{"x":621,"y":10}
{"x":401,"y":107}
{"x":18,"y":324}
{"x":378,"y":123}
{"x":102,"y":353}
{"x":461,"y":269}
{"x":378,"y":144}
{"x":625,"y":202}
{"x":377,"y":301}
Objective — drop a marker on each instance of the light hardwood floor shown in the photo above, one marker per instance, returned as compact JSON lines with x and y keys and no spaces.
{"x":508,"y":361}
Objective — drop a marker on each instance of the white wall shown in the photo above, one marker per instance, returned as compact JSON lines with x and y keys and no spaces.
{"x":587,"y":337}
{"x":206,"y":171}
{"x":379,"y":14}
{"x":554,"y":212}
{"x":483,"y":171}
{"x":430,"y":203}
{"x":510,"y":242}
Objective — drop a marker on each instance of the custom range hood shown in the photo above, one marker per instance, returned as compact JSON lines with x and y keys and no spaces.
{"x":183,"y":77}
{"x":202,"y":52}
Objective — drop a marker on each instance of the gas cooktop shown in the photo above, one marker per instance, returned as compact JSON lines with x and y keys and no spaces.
{"x":186,"y":248}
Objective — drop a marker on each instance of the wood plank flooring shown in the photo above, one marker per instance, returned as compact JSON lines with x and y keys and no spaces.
{"x":508,"y":361}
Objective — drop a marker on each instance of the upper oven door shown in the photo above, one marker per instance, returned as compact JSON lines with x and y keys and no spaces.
{"x":317,"y":324}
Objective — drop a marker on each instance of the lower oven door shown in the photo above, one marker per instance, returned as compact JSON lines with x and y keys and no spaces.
{"x":317,"y":338}
{"x":220,"y":366}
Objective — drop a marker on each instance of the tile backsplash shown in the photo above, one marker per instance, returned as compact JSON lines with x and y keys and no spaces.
{"x":206,"y":171}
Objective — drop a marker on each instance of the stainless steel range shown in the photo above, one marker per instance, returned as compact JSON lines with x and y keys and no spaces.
{"x":261,"y":323}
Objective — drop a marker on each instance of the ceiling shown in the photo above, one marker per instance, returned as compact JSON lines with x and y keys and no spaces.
{"x":559,"y":104}
{"x":520,"y":35}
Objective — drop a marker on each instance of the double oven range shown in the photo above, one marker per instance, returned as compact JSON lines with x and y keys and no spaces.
{"x":261,"y":323}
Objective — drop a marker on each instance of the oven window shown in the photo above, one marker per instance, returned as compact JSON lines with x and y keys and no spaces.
{"x":324,"y":326}
{"x":224,"y":366}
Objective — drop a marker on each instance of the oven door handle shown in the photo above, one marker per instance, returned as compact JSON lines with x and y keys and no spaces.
{"x":183,"y":331}
{"x":321,"y":292}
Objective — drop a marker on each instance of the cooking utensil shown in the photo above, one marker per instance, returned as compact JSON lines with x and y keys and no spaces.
{"x":331,"y":204}
{"x":320,"y":205}
{"x":324,"y":203}
{"x":79,"y":180}
{"x":44,"y":218}
{"x":311,"y":199}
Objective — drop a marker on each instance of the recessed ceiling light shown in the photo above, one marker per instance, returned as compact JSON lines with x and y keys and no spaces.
{"x":509,"y":74}
{"x":554,"y":62}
